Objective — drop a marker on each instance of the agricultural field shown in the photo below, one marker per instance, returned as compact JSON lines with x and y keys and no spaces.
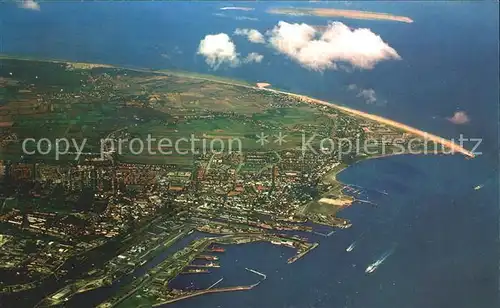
{"x":89,"y":103}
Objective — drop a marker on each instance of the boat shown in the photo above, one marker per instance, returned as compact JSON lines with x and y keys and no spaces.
{"x":196,"y":271}
{"x":478,"y":187}
{"x":283,"y":243}
{"x":351,"y":247}
{"x":208,"y":257}
{"x":216,"y":249}
{"x":371,"y":268}
{"x":213,"y":264}
{"x":210,"y":264}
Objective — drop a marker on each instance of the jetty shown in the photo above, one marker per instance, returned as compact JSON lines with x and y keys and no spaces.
{"x":198,"y":293}
{"x":367,"y":201}
{"x":325,"y":234}
{"x":264,"y":276}
{"x":303,"y":253}
{"x":215,"y":283}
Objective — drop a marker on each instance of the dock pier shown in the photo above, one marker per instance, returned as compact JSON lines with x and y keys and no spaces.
{"x":325,"y":234}
{"x":264,"y":276}
{"x":367,"y":201}
{"x":215,"y":283}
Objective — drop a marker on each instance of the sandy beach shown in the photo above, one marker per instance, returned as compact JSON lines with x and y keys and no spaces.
{"x":439,"y":140}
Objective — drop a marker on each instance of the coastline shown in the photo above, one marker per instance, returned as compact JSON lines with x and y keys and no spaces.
{"x":89,"y":65}
{"x":307,"y":99}
{"x":440,"y":140}
{"x":367,"y":159}
{"x":332,"y":177}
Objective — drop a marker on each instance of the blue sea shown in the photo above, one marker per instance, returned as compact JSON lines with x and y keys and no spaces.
{"x":443,"y":234}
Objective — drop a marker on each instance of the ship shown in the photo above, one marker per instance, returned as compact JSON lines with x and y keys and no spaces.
{"x":284,"y":243}
{"x":301,"y":238}
{"x":373,"y":267}
{"x":210,"y":264}
{"x":208,"y":257}
{"x":216,"y":249}
{"x":478,"y":187}
{"x":196,"y":271}
{"x":213,"y":264}
{"x":351,"y":247}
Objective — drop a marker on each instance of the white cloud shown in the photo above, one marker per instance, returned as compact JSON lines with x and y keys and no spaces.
{"x":235,"y":17}
{"x":218,"y":49}
{"x":29,"y":5}
{"x":352,"y":87}
{"x":253,"y":57}
{"x":460,"y":117}
{"x":368,"y":95}
{"x":246,"y":18}
{"x":237,"y":8}
{"x":252,"y":35}
{"x":319,"y":50}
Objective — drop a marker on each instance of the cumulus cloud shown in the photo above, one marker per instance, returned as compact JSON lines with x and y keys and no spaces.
{"x":460,"y":117}
{"x":252,"y":35}
{"x":253,"y":57}
{"x":29,"y":5}
{"x":320,"y":50}
{"x":218,"y":49}
{"x":368,"y":95}
{"x":352,"y":87}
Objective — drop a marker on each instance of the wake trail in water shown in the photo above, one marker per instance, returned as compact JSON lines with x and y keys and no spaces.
{"x":386,"y":254}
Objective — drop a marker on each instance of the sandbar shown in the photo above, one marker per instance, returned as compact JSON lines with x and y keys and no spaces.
{"x":324,"y":12}
{"x":262,"y":85}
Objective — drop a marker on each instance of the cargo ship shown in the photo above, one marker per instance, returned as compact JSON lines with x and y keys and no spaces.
{"x":196,"y":271}
{"x":216,"y":249}
{"x":210,"y":264}
{"x":283,"y":243}
{"x":208,"y":257}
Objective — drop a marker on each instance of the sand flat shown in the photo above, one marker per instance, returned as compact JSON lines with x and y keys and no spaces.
{"x":354,"y":14}
{"x":262,"y":85}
